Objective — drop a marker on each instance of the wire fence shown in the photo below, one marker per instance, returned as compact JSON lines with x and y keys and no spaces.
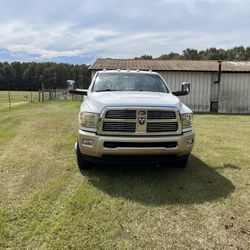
{"x":11,"y":99}
{"x":57,"y":94}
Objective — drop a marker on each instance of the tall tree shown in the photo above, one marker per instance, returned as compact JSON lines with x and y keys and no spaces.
{"x":144,"y":57}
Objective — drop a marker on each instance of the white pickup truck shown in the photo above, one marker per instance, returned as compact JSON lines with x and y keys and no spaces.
{"x":131,"y":116}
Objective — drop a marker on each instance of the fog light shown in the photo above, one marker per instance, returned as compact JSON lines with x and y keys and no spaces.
{"x":190,"y":141}
{"x":87,"y":142}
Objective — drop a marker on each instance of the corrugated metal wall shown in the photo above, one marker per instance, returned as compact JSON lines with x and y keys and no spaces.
{"x":234,"y":94}
{"x":215,"y":88}
{"x":199,"y":97}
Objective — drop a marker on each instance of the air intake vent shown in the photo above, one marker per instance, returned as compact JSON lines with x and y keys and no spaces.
{"x":140,"y":144}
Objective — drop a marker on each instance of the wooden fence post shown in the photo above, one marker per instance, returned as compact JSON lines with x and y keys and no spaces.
{"x":9,"y":100}
{"x":42,"y":91}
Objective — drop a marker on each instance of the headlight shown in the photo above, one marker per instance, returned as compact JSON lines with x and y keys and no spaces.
{"x":88,"y":121}
{"x":186,"y":121}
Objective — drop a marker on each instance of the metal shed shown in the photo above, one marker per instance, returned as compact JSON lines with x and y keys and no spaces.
{"x":222,"y":87}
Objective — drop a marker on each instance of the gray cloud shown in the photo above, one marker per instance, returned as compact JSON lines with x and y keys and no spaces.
{"x":87,"y":29}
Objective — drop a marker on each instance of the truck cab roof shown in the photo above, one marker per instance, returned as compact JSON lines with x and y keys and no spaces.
{"x":128,"y":71}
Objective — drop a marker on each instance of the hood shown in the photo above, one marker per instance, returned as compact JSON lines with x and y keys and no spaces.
{"x":96,"y":102}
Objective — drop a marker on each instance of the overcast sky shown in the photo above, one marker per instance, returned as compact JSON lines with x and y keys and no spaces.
{"x":79,"y":31}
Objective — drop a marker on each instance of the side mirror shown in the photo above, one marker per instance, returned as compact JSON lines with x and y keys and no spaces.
{"x":185,"y":89}
{"x":78,"y":91}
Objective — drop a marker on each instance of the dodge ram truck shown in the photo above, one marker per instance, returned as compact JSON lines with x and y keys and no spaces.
{"x":130,"y":116}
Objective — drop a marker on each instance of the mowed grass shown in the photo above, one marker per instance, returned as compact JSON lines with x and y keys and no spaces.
{"x":47,"y":203}
{"x":17,"y":98}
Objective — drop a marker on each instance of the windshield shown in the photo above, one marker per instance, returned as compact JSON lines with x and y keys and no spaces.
{"x":129,"y":82}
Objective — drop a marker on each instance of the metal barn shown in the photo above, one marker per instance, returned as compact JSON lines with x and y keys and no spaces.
{"x":222,"y":87}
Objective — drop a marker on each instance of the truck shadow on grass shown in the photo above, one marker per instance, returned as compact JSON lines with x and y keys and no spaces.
{"x":151,"y":185}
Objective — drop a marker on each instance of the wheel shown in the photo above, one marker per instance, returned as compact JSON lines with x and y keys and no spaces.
{"x":82,"y":163}
{"x":181,"y":163}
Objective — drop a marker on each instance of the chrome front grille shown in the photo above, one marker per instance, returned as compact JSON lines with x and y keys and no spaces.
{"x":139,"y":121}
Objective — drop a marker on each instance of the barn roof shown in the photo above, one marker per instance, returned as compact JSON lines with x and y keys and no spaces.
{"x":169,"y":65}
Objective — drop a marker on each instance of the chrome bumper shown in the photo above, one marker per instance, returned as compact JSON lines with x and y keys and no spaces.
{"x":97,"y":149}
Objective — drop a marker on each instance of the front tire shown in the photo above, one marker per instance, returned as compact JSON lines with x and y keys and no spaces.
{"x":181,"y":163}
{"x":82,"y":163}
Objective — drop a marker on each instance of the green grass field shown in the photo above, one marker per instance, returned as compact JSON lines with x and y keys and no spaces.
{"x":17,"y":98}
{"x":47,"y":203}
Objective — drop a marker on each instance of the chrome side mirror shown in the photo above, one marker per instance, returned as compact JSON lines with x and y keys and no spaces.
{"x":185,"y":89}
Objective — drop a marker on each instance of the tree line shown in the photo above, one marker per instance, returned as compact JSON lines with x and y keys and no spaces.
{"x":34,"y":76}
{"x":240,"y":53}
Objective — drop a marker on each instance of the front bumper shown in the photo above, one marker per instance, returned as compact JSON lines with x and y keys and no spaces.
{"x":97,"y":149}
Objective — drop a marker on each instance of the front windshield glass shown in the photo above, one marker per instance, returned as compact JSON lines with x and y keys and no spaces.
{"x":129,"y":82}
